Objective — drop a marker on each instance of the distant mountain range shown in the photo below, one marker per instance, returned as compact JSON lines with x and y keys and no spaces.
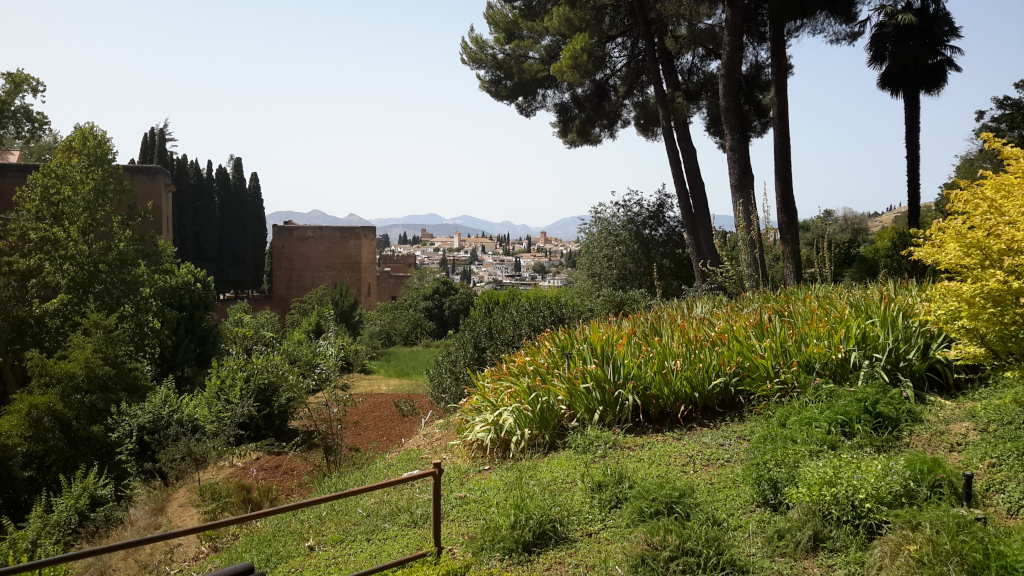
{"x":565,"y":228}
{"x":440,"y":226}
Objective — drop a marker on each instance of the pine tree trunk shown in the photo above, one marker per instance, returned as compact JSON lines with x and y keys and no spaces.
{"x":737,"y":147}
{"x":785,"y":201}
{"x":691,"y":166}
{"x":912,"y":114}
{"x":690,"y":229}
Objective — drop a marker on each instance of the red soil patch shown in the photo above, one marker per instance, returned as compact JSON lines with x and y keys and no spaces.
{"x":290,"y":473}
{"x":374,"y":424}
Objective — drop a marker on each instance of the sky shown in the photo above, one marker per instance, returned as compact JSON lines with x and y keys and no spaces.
{"x":364,"y":107}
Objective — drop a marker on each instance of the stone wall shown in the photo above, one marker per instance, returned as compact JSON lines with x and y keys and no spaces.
{"x":306,"y":257}
{"x":152,"y":184}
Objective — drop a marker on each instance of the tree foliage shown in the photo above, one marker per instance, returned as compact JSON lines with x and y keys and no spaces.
{"x":94,"y":311}
{"x":21,"y":125}
{"x":599,"y":67}
{"x":911,"y":48}
{"x":980,"y":249}
{"x":634,"y":242}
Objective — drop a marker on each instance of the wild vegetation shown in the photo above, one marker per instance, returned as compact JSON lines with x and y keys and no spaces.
{"x":658,"y":416}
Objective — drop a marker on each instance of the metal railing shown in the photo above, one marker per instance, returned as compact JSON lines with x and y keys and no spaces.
{"x":435,"y":526}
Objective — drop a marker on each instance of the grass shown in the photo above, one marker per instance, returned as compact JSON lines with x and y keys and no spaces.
{"x":405,"y":363}
{"x":678,"y":501}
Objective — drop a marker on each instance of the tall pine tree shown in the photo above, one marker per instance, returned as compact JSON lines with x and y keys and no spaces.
{"x":258,"y":232}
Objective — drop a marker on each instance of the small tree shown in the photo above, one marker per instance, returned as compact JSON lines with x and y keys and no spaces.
{"x":979,"y":248}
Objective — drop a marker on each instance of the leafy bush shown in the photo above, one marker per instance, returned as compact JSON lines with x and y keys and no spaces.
{"x":862,"y":491}
{"x":980,"y":247}
{"x":258,"y":395}
{"x":674,"y":548}
{"x":885,"y":257}
{"x":526,"y":521}
{"x":151,"y":432}
{"x":699,"y":354}
{"x":59,"y":423}
{"x":825,"y":418}
{"x":938,"y":541}
{"x":87,"y":499}
{"x":635,"y":242}
{"x":325,"y":307}
{"x":431,"y":307}
{"x":501,"y":321}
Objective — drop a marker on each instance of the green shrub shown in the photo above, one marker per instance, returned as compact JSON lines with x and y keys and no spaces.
{"x":59,"y":423}
{"x":674,"y":548}
{"x":258,"y":396}
{"x":398,"y":323}
{"x":525,"y":521}
{"x":826,"y":418}
{"x":939,"y":541}
{"x":699,"y":354}
{"x":246,"y":334}
{"x":86,"y":500}
{"x":151,"y":433}
{"x":502,"y":320}
{"x":431,"y":307}
{"x":863,"y":491}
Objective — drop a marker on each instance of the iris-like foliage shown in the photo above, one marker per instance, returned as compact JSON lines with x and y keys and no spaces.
{"x":700,"y":354}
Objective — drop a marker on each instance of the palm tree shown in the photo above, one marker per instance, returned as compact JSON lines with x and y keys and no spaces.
{"x":910,"y":47}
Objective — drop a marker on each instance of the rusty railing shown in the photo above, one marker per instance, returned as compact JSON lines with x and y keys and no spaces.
{"x":435,"y":526}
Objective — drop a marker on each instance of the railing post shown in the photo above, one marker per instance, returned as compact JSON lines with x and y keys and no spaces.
{"x":435,"y":509}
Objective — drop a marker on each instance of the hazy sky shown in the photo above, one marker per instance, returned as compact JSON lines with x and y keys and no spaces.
{"x":364,"y":107}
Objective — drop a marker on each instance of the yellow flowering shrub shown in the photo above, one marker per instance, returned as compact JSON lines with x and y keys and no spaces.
{"x":980,"y":249}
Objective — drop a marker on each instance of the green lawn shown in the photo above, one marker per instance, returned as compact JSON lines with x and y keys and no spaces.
{"x":405,"y":363}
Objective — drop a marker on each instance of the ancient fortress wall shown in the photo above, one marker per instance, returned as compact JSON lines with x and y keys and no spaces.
{"x":152,"y":184}
{"x":306,"y":257}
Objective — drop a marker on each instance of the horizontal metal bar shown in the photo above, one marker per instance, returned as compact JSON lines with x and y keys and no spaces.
{"x":393,"y":563}
{"x":181,"y":533}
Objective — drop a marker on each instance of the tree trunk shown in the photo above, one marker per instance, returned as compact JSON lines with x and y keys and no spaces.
{"x":785,"y":201}
{"x":691,"y":166}
{"x":695,"y":245}
{"x":912,"y":114}
{"x":737,"y":146}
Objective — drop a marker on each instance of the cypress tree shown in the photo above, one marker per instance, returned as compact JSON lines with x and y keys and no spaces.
{"x":204,"y":206}
{"x":151,"y":151}
{"x":144,"y":149}
{"x":160,"y":157}
{"x":258,"y":233}
{"x":229,"y":260}
{"x":243,"y":218}
{"x":212,"y":232}
{"x":184,"y":216}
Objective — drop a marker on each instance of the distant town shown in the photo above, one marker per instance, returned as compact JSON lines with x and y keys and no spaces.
{"x":492,"y":261}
